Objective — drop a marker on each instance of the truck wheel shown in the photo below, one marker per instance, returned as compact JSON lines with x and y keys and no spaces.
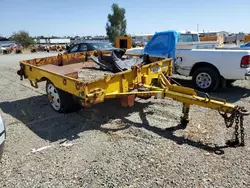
{"x":60,"y":100}
{"x":230,"y":82}
{"x":206,"y":79}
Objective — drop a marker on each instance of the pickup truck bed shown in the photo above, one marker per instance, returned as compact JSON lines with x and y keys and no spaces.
{"x":226,"y":62}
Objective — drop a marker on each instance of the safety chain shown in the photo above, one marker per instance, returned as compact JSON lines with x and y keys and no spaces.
{"x":236,"y":116}
{"x":242,"y":131}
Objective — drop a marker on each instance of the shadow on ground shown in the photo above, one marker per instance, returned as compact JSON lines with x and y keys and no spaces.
{"x":231,"y":94}
{"x":38,"y":116}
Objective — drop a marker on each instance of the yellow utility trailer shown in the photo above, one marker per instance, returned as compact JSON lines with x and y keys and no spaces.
{"x":148,"y":79}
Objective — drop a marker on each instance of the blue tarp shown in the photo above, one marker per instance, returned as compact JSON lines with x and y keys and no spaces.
{"x":163,"y":44}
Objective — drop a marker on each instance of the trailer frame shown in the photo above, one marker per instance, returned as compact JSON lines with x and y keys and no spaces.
{"x":126,"y":85}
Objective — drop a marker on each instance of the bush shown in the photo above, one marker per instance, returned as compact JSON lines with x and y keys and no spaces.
{"x":22,"y":38}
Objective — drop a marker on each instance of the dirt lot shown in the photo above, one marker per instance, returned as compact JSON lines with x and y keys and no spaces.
{"x":110,"y":146}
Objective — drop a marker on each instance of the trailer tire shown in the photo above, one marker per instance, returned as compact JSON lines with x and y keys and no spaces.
{"x":61,"y":101}
{"x":206,"y":79}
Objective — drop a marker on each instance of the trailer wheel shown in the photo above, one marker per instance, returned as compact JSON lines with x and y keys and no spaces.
{"x":206,"y":79}
{"x":60,"y":100}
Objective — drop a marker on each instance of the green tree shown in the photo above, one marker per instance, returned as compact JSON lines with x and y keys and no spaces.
{"x":117,"y":23}
{"x":22,"y":38}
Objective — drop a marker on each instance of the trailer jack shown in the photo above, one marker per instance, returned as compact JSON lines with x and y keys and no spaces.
{"x":231,"y":114}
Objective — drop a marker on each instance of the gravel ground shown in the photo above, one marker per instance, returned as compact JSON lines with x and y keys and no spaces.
{"x":90,"y":74}
{"x":110,"y":146}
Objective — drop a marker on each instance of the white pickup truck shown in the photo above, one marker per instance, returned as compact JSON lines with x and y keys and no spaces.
{"x":209,"y":67}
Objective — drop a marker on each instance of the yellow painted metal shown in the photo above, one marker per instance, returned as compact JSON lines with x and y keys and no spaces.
{"x":123,"y":42}
{"x":124,"y":83}
{"x":209,"y":38}
{"x":200,"y":101}
{"x":246,"y":38}
{"x":126,"y":41}
{"x":149,"y":37}
{"x":117,"y":83}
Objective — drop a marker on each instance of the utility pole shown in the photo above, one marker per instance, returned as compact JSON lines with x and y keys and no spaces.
{"x":197,"y":27}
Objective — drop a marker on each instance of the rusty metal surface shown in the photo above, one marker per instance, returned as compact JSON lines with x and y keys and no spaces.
{"x":72,"y":75}
{"x":64,"y":59}
{"x":42,"y":61}
{"x":68,"y":69}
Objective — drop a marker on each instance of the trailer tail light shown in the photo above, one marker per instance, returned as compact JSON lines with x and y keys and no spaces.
{"x":245,"y":61}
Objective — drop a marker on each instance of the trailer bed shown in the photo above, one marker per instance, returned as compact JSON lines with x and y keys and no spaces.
{"x":67,"y":69}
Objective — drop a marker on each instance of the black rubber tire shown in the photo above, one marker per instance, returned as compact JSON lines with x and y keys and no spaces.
{"x":213,"y":73}
{"x":230,"y":82}
{"x":1,"y":150}
{"x":68,"y":102}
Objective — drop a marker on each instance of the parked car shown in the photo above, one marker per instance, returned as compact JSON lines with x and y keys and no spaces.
{"x":90,"y":46}
{"x":2,"y":136}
